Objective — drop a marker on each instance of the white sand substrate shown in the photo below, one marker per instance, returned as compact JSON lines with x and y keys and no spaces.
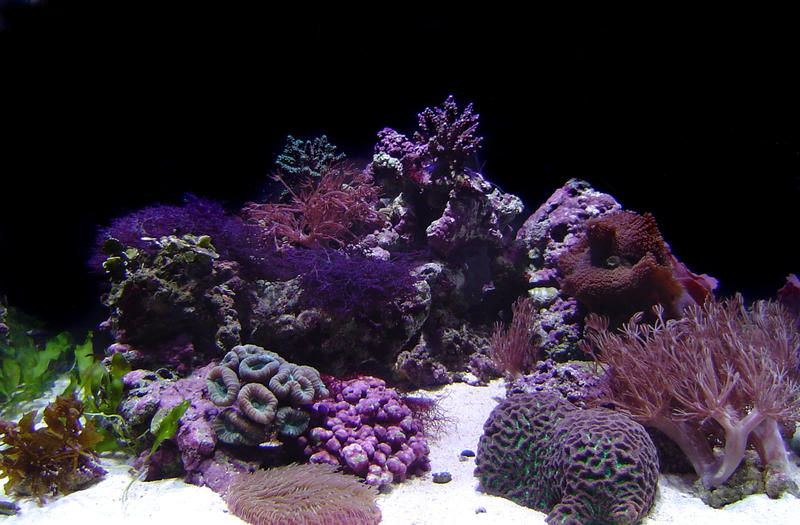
{"x":417,"y":501}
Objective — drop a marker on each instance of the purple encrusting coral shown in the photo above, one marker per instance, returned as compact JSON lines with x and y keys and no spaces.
{"x":368,"y":429}
{"x":150,"y":396}
{"x":194,"y":452}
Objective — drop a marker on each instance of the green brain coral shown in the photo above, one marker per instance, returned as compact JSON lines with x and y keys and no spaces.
{"x":581,"y":466}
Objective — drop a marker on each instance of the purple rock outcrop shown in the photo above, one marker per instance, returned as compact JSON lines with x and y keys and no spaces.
{"x":549,"y":232}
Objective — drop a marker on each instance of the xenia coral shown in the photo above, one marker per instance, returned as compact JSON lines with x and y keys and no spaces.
{"x":57,"y":457}
{"x":368,"y":429}
{"x":263,"y":396}
{"x":580,"y":466}
{"x":302,"y":495}
{"x":723,"y":374}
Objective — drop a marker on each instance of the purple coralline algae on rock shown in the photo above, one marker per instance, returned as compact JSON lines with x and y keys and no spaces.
{"x":439,"y":206}
{"x":215,"y":437}
{"x":150,"y":396}
{"x":549,"y":232}
{"x":577,"y":381}
{"x":282,"y":319}
{"x":368,"y":430}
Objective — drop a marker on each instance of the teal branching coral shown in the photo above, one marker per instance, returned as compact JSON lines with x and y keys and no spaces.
{"x":580,"y":466}
{"x":302,"y":495}
{"x":263,"y":396}
{"x":301,"y":159}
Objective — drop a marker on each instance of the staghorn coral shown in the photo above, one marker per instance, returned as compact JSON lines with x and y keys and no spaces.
{"x":57,"y":457}
{"x":265,"y":385}
{"x":722,"y":374}
{"x":580,"y":466}
{"x":367,"y":429}
{"x":447,"y":136}
{"x":302,"y":495}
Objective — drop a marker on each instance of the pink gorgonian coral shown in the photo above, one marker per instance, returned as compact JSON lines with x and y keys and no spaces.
{"x":722,"y":374}
{"x":512,"y":349}
{"x":329,"y":211}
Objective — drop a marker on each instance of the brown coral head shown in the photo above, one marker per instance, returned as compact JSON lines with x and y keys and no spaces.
{"x":621,"y":266}
{"x":257,"y":403}
{"x":628,"y":235}
{"x":302,"y":495}
{"x":223,"y":386}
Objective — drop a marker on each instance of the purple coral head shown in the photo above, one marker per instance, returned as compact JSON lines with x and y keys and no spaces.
{"x":356,"y":457}
{"x":448,"y":136}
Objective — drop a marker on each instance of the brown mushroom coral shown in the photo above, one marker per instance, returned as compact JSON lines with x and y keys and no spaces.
{"x":621,"y":266}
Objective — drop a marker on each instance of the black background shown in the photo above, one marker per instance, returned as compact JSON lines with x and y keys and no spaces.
{"x":107,"y":108}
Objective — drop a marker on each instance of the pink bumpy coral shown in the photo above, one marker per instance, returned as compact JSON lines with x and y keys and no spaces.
{"x":368,"y":429}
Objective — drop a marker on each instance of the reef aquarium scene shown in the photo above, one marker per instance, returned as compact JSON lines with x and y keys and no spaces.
{"x":401,"y":293}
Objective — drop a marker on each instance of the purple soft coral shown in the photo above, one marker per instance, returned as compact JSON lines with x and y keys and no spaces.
{"x":233,"y":239}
